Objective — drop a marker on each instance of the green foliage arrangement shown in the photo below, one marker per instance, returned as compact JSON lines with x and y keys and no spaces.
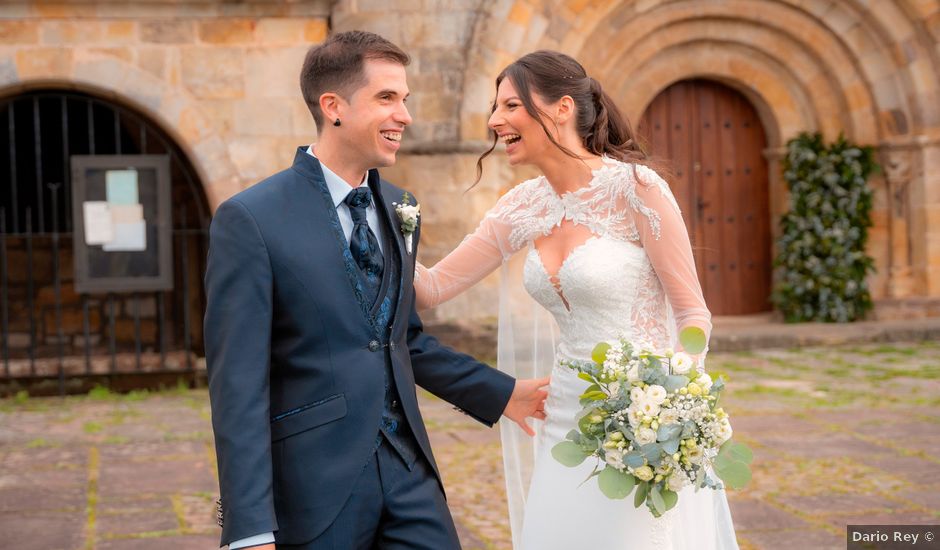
{"x":822,"y":263}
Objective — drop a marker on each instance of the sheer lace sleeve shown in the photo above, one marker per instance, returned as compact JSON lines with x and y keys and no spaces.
{"x":666,"y":241}
{"x":502,"y":232}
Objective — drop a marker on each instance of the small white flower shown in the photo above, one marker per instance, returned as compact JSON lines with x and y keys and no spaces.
{"x":614,"y":387}
{"x":656,"y":394}
{"x":668,"y":416}
{"x":645,"y":436}
{"x":682,"y":362}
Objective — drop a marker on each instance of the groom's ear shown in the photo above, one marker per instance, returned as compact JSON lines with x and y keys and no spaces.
{"x":330,"y":106}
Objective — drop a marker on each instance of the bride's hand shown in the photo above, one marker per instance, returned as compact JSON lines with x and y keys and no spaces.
{"x":527,"y":399}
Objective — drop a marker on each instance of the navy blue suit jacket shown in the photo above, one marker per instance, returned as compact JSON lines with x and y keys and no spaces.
{"x":296,"y":389}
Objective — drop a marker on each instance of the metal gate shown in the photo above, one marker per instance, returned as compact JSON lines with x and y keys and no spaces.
{"x":52,"y":337}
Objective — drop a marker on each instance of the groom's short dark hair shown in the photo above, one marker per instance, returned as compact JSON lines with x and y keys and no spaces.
{"x":337,"y":65}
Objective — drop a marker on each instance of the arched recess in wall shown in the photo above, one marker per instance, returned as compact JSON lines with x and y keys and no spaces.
{"x":41,"y":128}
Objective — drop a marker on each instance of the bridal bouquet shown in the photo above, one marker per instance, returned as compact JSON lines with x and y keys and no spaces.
{"x":653,"y":423}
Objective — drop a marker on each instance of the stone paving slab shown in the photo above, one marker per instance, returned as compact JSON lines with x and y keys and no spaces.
{"x":842,"y":435}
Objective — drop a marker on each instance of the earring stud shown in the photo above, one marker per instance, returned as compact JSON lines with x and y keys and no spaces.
{"x":336,"y":122}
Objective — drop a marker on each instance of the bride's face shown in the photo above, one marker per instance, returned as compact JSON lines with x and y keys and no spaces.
{"x":524,"y":137}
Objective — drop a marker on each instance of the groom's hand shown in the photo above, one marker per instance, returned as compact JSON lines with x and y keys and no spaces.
{"x":527,"y":399}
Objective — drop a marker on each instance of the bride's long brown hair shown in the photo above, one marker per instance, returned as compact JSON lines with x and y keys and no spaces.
{"x":552,"y":75}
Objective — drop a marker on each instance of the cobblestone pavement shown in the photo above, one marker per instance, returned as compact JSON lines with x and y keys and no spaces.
{"x":841,"y":436}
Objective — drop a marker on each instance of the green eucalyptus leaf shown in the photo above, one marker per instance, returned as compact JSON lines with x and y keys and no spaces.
{"x":657,"y":499}
{"x":568,"y":453}
{"x":599,"y":355}
{"x":736,"y":451}
{"x":642,"y":488}
{"x":670,"y":498}
{"x":674,"y":382}
{"x":594,"y":395}
{"x":735,"y":474}
{"x":614,"y":483}
{"x":692,"y":339}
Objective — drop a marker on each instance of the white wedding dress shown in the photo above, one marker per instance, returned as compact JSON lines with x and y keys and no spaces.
{"x":633,"y":276}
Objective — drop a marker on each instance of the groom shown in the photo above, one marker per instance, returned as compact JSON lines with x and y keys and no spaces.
{"x":312,"y":340}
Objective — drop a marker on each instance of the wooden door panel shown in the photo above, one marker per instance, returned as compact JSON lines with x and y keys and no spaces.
{"x":712,"y":137}
{"x":708,"y":212}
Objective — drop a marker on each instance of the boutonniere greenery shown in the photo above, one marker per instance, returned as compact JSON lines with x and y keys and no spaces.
{"x":408,"y":215}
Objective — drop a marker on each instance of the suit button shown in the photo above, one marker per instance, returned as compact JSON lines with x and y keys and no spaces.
{"x":374,"y":345}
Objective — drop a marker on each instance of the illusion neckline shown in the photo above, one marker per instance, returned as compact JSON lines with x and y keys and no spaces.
{"x":607,"y":163}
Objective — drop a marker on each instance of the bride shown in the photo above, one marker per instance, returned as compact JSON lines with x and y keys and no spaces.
{"x":605,"y":251}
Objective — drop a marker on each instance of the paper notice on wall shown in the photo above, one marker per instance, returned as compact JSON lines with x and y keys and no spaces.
{"x":98,"y":226}
{"x":127,"y":213}
{"x":128,"y":237}
{"x":122,"y":186}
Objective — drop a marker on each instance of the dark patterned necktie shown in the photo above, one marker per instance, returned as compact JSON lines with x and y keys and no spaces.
{"x":362,"y":243}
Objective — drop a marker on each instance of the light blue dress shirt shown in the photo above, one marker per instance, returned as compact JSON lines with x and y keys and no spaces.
{"x":339,"y":188}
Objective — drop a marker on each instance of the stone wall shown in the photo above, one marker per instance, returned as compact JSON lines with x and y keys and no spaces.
{"x":220,"y":77}
{"x":870,"y":70}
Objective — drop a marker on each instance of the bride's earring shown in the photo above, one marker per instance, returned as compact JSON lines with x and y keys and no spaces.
{"x":336,"y":122}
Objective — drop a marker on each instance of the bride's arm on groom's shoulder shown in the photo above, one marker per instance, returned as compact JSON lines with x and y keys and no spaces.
{"x":669,"y":249}
{"x":480,"y":253}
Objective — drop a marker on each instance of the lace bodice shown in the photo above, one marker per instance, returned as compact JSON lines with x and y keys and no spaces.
{"x":621,"y":281}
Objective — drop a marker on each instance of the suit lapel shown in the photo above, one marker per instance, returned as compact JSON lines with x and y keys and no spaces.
{"x":309,"y":167}
{"x":389,"y":195}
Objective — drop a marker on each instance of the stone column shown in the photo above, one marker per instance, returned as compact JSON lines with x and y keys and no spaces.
{"x":897,"y":162}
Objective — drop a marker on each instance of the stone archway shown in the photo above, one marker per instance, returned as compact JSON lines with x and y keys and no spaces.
{"x":866,"y":69}
{"x":49,"y":327}
{"x":175,"y":112}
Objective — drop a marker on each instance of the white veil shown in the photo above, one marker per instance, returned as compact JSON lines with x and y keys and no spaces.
{"x":526,"y":349}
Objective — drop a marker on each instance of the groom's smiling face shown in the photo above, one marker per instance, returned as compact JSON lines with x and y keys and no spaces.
{"x":375,"y":117}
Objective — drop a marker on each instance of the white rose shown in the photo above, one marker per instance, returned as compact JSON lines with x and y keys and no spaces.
{"x":696,"y":455}
{"x":614,"y":457}
{"x":614,"y":387}
{"x":633,"y":373}
{"x":705,"y":381}
{"x":409,"y":211}
{"x":682,"y":362}
{"x":677,"y":481}
{"x":656,"y":394}
{"x":724,"y":431}
{"x":647,"y":407}
{"x":644,"y":473}
{"x":636,"y":394}
{"x":645,"y":436}
{"x":633,"y":415}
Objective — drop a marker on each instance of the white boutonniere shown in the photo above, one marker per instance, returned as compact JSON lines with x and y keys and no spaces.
{"x":408,"y":214}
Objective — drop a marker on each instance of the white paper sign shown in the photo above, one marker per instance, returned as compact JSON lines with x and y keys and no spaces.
{"x":128,"y":237}
{"x":127,"y":213}
{"x":98,"y":226}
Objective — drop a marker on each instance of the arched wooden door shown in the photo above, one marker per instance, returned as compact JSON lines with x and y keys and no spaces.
{"x":714,"y":141}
